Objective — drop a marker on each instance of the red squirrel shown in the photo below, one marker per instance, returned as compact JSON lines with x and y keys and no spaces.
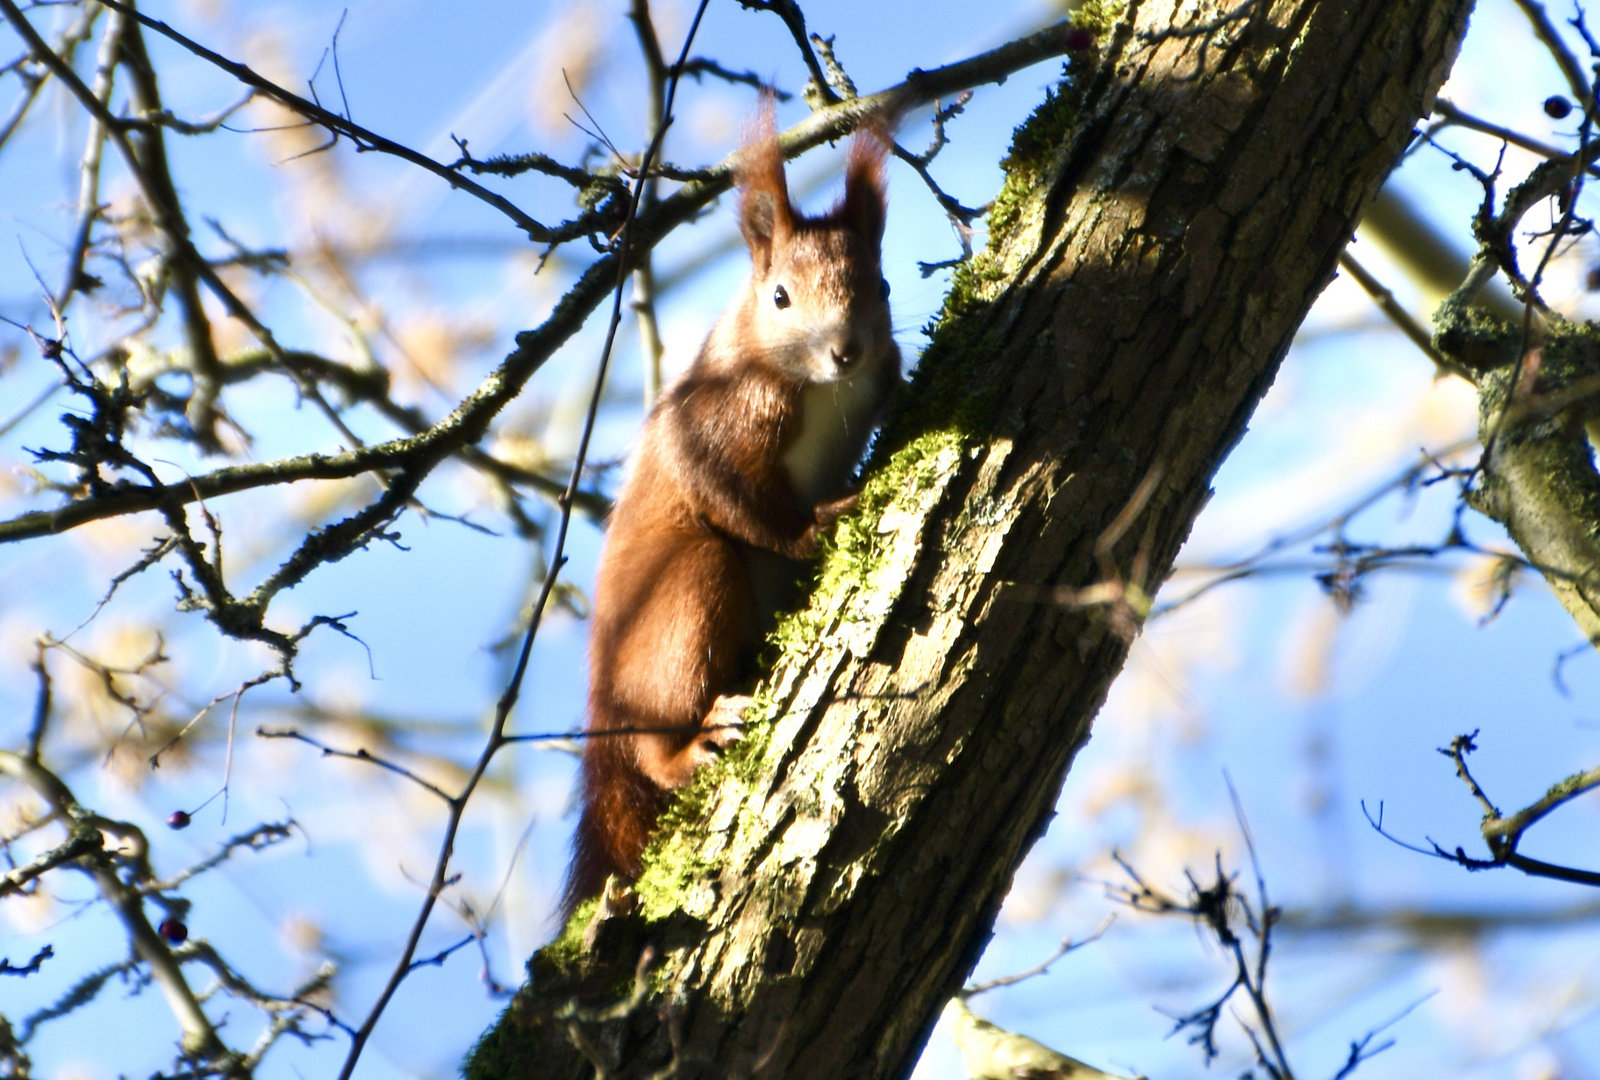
{"x":743,"y":462}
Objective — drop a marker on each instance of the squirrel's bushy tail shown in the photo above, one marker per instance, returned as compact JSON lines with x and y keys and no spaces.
{"x":620,"y":808}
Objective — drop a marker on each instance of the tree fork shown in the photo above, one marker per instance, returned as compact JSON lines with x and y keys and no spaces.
{"x":814,"y":899}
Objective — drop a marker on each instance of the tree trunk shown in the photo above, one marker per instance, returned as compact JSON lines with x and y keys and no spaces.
{"x":1168,"y":218}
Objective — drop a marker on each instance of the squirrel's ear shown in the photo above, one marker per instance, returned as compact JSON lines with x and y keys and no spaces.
{"x":865,"y":206}
{"x":765,"y":215}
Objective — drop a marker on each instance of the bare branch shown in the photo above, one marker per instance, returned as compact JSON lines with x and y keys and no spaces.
{"x":149,"y":171}
{"x":82,"y":841}
{"x":1502,"y":847}
{"x":340,"y":125}
{"x":1067,"y":945}
{"x":89,"y":167}
{"x":1512,"y":827}
{"x":817,"y":89}
{"x":415,"y":456}
{"x":701,"y":65}
{"x":358,"y":754}
{"x":33,"y":82}
{"x":78,"y":995}
{"x":1398,"y":315}
{"x":1445,"y":108}
{"x":1571,"y":67}
{"x":256,"y":839}
{"x":200,"y":1037}
{"x":31,"y":967}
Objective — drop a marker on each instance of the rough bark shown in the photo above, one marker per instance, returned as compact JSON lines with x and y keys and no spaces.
{"x":1538,"y":383}
{"x":1167,"y":222}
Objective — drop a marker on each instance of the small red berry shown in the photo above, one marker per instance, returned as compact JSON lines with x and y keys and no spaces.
{"x":178,"y":819}
{"x":1079,"y":40}
{"x":174,"y":931}
{"x":1557,"y":107}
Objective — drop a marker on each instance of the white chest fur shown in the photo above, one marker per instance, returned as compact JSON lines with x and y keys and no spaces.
{"x":835,"y":420}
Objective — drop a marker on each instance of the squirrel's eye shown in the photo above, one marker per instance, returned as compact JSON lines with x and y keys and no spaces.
{"x":780,"y":296}
{"x":883,"y":289}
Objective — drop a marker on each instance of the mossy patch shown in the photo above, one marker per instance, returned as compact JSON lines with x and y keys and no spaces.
{"x":1530,"y":403}
{"x":854,"y":551}
{"x":1473,"y":336}
{"x":975,"y":282}
{"x":1560,"y":353}
{"x":564,"y":952}
{"x":1565,"y":789}
{"x":948,"y":388}
{"x":676,"y":858}
{"x":1099,"y":16}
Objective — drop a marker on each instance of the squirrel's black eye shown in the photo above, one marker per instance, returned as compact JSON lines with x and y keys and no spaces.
{"x":883,"y":289}
{"x":780,"y":296}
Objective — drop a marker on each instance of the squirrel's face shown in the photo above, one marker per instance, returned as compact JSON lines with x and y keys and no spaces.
{"x":818,"y":306}
{"x":819,"y":309}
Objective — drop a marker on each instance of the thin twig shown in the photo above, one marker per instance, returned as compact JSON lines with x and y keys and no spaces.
{"x":256,"y":839}
{"x":163,"y":203}
{"x":81,"y":842}
{"x":66,"y":46}
{"x":359,"y":754}
{"x":1453,"y":115}
{"x":644,"y":278}
{"x":1067,"y":945}
{"x":340,"y":125}
{"x":200,"y":1037}
{"x":89,"y":168}
{"x":795,"y":20}
{"x":31,"y":967}
{"x":1398,"y":315}
{"x":1573,"y":70}
{"x":1508,"y":857}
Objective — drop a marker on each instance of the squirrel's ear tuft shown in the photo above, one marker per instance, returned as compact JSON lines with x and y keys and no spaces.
{"x":865,"y":206}
{"x":766,"y":216}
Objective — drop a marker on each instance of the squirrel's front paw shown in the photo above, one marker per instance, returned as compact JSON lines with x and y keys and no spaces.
{"x":829,"y":512}
{"x":724,"y":723}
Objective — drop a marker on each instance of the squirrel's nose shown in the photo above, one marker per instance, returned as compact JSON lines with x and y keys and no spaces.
{"x":843,"y":359}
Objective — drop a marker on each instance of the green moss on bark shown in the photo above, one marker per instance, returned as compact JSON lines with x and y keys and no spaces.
{"x":945,"y":391}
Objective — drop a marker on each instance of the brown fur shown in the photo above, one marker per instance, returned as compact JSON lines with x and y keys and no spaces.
{"x":741,"y":464}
